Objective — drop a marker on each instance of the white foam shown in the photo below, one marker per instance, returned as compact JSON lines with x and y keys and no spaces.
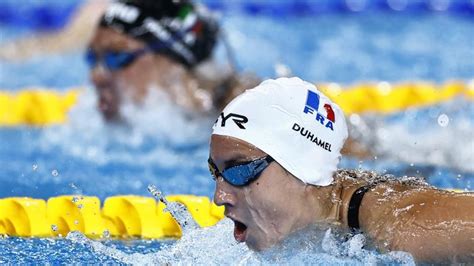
{"x":434,"y":138}
{"x":216,"y":246}
{"x":150,"y":136}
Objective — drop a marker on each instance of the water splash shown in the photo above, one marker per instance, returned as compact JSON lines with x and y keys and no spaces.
{"x":176,"y":209}
{"x":216,"y":246}
{"x":207,"y":246}
{"x":158,"y":138}
{"x":437,"y":135}
{"x":101,"y":249}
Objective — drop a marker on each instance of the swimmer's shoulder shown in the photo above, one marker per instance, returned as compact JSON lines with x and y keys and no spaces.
{"x":428,"y":222}
{"x":412,"y":197}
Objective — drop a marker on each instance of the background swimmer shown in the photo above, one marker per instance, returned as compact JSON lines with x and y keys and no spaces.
{"x":274,"y":179}
{"x":165,"y":45}
{"x":142,"y":44}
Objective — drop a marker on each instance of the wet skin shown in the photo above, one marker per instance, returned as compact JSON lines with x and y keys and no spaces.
{"x":433,"y":225}
{"x":270,"y":208}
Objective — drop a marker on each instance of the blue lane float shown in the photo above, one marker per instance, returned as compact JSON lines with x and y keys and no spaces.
{"x":312,"y":7}
{"x":44,"y":15}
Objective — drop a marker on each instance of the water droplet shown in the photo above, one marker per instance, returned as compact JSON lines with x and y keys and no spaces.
{"x":54,"y":228}
{"x":375,"y":157}
{"x":79,"y":206}
{"x":282,"y":70}
{"x":458,"y":176}
{"x":335,"y":88}
{"x":354,"y":119}
{"x":384,"y":88}
{"x":443,"y":120}
{"x":412,"y":164}
{"x":55,"y":172}
{"x":76,"y":222}
{"x":106,"y":233}
{"x":75,"y":199}
{"x":35,"y":167}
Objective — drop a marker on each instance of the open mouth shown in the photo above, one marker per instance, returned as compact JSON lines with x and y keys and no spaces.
{"x":240,"y":231}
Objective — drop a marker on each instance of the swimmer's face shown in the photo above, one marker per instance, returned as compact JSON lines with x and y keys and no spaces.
{"x":268,"y":209}
{"x":128,"y":83}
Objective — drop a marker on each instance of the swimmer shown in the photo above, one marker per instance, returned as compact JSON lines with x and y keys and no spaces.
{"x":274,"y":153}
{"x":167,"y":45}
{"x":134,"y":45}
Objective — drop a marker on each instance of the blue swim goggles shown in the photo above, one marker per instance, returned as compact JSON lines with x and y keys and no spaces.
{"x":241,"y":174}
{"x":117,"y":60}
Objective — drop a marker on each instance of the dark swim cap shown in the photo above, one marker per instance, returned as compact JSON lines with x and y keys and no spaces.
{"x":183,"y":31}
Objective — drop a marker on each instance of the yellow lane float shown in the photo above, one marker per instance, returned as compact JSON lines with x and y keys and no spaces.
{"x":41,"y":107}
{"x":23,"y":217}
{"x":36,"y":106}
{"x":121,"y":216}
{"x":385,"y":98}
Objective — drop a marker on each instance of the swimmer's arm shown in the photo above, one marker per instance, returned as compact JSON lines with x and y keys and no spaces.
{"x":432,"y":225}
{"x":76,"y":35}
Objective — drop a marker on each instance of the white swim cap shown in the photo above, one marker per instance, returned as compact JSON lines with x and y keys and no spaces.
{"x":290,"y":120}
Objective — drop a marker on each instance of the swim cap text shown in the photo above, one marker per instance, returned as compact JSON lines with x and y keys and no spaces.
{"x":311,"y":137}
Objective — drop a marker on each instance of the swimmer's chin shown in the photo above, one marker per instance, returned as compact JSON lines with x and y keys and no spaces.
{"x":112,"y":117}
{"x":109,"y":114}
{"x":259,"y":246}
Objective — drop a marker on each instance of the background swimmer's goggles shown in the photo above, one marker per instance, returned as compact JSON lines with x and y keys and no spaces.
{"x":242,"y":174}
{"x":118,"y":60}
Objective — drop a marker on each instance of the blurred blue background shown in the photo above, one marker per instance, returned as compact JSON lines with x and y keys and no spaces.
{"x":322,"y":41}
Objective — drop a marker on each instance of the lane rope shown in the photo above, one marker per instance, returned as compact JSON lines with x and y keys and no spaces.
{"x":42,"y":107}
{"x":125,"y":216}
{"x":120,"y":216}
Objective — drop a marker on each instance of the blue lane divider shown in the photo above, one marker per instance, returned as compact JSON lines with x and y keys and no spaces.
{"x":301,"y":7}
{"x":51,"y":14}
{"x":35,"y":14}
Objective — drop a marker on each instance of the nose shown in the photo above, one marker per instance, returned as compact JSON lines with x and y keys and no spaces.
{"x":109,"y":100}
{"x":224,"y":195}
{"x":100,"y":76}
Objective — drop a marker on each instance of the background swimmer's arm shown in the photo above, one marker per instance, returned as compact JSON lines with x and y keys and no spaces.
{"x":433,"y":225}
{"x":230,"y":86}
{"x":75,"y":35}
{"x":354,"y":148}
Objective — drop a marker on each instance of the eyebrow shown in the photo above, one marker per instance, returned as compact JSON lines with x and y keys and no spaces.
{"x":236,"y":160}
{"x":240,"y":159}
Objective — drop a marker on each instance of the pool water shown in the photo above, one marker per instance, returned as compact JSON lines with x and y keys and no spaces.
{"x":165,"y":146}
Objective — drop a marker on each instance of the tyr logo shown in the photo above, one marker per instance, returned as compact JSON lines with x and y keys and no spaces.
{"x":239,"y":120}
